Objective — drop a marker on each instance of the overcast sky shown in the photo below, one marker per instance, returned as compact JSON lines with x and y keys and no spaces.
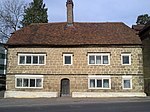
{"x":125,"y":11}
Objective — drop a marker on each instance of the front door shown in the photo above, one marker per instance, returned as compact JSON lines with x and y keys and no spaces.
{"x":65,"y":87}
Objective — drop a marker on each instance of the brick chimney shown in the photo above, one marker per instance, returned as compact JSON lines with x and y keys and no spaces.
{"x":69,"y":5}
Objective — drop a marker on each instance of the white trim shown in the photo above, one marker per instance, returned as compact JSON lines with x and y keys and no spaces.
{"x":101,"y":55}
{"x":125,"y":54}
{"x":25,"y":94}
{"x":126,"y":78}
{"x":31,"y":58}
{"x":4,"y":72}
{"x":71,"y":55}
{"x":107,"y":94}
{"x":29,"y":77}
{"x":5,"y":61}
{"x":101,"y":77}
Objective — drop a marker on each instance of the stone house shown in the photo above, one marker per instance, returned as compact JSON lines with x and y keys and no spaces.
{"x":145,"y":37}
{"x":75,"y":59}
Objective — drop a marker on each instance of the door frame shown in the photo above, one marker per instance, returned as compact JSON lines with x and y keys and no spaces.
{"x":67,"y":87}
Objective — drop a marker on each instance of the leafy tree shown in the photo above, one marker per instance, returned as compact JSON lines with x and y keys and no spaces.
{"x":143,"y":19}
{"x":11,"y":13}
{"x":35,"y":13}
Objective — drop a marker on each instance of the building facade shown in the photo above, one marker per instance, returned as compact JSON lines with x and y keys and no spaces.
{"x":75,"y":59}
{"x":145,"y":37}
{"x":3,"y":55}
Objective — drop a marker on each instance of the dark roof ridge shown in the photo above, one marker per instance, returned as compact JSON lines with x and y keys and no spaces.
{"x":100,"y":22}
{"x":78,"y":23}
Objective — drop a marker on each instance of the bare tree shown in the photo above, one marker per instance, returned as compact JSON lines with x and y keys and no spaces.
{"x":11,"y":13}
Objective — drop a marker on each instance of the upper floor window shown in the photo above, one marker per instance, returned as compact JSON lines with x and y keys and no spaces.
{"x":99,"y":59}
{"x":126,"y":59}
{"x":67,"y":59}
{"x":31,"y":59}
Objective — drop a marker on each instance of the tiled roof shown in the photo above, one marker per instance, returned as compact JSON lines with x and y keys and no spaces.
{"x":78,"y":34}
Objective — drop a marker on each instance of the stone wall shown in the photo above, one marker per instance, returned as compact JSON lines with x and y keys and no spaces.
{"x":54,"y":61}
{"x":78,"y":83}
{"x":146,"y":63}
{"x":54,"y":70}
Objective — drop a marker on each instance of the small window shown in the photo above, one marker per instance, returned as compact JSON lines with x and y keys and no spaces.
{"x":19,"y":82}
{"x":25,"y":82}
{"x":126,"y":59}
{"x":92,"y":83}
{"x":67,"y":59}
{"x":28,"y":59}
{"x":41,"y":59}
{"x":127,"y":82}
{"x":99,"y":59}
{"x":99,"y":82}
{"x":105,"y":59}
{"x":91,"y":59}
{"x":35,"y":59}
{"x":32,"y":82}
{"x":38,"y":83}
{"x":22,"y":60}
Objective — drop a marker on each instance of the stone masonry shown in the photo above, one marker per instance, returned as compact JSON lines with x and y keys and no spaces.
{"x":54,"y":70}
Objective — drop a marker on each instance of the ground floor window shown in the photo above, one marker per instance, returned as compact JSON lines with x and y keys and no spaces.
{"x":99,"y":82}
{"x":127,"y":82}
{"x":29,"y":81}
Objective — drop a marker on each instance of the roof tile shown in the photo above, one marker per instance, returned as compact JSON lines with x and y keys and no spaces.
{"x":78,"y":34}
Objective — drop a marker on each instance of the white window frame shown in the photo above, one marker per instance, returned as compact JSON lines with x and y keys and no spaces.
{"x":126,"y":78}
{"x":99,"y":54}
{"x":71,"y":55}
{"x":29,"y":77}
{"x":129,"y":59}
{"x":25,"y":55}
{"x":101,"y":77}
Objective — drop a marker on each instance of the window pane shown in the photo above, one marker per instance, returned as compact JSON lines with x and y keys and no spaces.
{"x":32,"y":82}
{"x":125,"y":59}
{"x":2,"y":67}
{"x":22,"y":60}
{"x":99,"y":83}
{"x":41,"y":59}
{"x":35,"y":59}
{"x":105,"y":59}
{"x":19,"y":82}
{"x":106,"y":83}
{"x":92,"y":82}
{"x":98,"y":59}
{"x":67,"y":59}
{"x":91,"y":59}
{"x":2,"y":56}
{"x":25,"y":83}
{"x":127,"y":84}
{"x":38,"y":82}
{"x":28,"y":59}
